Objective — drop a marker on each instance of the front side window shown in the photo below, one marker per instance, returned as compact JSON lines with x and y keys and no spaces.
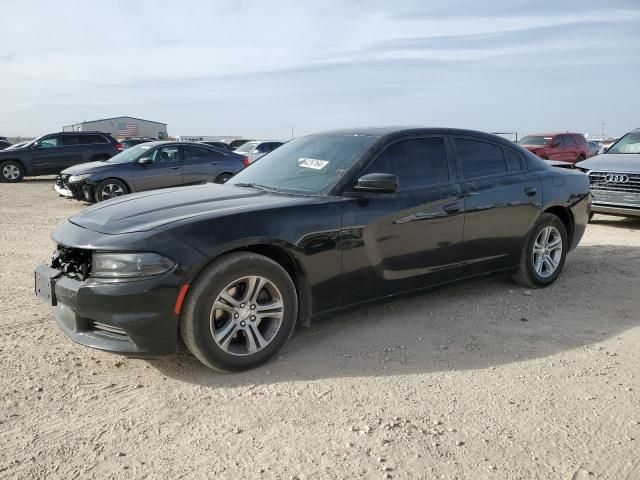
{"x":630,"y":143}
{"x":49,"y":142}
{"x":308,"y":165}
{"x":417,"y":162}
{"x":557,"y":142}
{"x":165,"y":155}
{"x":479,"y":158}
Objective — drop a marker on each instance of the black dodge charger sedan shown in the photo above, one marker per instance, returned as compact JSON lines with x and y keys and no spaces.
{"x":324,"y":222}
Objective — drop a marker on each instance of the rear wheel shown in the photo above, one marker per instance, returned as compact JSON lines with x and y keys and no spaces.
{"x":11,"y":171}
{"x":110,"y":188}
{"x":544,"y":253}
{"x":580,"y":158}
{"x":240,"y":312}
{"x":223,"y":178}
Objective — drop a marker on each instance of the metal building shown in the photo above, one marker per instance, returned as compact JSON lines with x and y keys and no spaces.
{"x":122,"y":127}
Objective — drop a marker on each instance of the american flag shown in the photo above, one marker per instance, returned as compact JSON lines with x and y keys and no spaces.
{"x":127,"y":129}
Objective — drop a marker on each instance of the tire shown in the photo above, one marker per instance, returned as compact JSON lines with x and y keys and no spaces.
{"x":580,"y":158}
{"x":527,"y":274}
{"x":223,"y":178}
{"x":591,"y":214}
{"x":110,"y":188}
{"x":235,"y":348}
{"x":11,"y":171}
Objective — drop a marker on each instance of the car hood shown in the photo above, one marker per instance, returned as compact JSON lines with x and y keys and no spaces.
{"x":141,"y":212}
{"x":90,"y":167}
{"x":612,"y":162}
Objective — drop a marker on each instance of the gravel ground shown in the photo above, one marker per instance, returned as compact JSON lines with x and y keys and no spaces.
{"x":480,"y":380}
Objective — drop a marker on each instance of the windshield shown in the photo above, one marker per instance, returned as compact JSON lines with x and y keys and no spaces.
{"x":130,"y":154}
{"x":534,"y":140}
{"x":308,"y":165}
{"x":247,"y":147}
{"x":630,"y":143}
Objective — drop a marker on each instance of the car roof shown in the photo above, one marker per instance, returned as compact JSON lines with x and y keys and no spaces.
{"x":399,"y":131}
{"x":551,"y":134}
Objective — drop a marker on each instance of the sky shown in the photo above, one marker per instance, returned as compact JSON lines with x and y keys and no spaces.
{"x":264,"y":68}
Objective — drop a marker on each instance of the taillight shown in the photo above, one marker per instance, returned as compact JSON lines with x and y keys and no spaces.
{"x":119,"y":146}
{"x":245,"y":161}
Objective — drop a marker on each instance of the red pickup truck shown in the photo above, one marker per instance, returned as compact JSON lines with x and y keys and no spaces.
{"x":568,"y":147}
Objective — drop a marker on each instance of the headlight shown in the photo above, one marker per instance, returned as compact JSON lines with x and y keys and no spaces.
{"x":129,"y":265}
{"x":77,"y":178}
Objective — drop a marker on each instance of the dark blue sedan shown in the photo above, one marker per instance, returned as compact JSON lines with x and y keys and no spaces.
{"x":149,"y":166}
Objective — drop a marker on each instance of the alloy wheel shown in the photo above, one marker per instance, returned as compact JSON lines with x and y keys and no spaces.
{"x":11,"y":172}
{"x":547,"y":251}
{"x":247,"y":315}
{"x":111,"y":190}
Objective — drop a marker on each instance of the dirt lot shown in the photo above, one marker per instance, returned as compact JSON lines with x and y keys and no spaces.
{"x":480,"y":380}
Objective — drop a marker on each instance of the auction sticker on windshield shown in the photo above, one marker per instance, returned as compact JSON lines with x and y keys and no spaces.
{"x":313,"y":163}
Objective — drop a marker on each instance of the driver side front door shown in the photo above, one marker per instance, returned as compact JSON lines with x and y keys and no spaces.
{"x":164,"y":171}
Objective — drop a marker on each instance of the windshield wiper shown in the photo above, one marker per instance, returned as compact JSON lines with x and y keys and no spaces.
{"x":257,"y":186}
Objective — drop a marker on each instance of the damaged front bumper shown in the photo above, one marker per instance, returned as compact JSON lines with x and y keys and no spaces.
{"x":78,"y":190}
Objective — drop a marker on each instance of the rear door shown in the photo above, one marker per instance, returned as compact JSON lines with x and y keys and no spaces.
{"x":165,"y":169}
{"x":501,"y":202}
{"x":200,"y":164}
{"x":74,"y":149}
{"x":556,"y":152}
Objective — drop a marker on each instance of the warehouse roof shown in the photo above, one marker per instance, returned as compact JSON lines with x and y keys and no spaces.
{"x":116,"y":118}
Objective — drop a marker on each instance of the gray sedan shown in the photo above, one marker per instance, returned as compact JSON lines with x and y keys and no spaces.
{"x":149,"y":166}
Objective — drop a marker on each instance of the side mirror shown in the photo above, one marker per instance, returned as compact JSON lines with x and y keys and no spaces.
{"x":377,"y":183}
{"x":145,"y":161}
{"x":36,"y":145}
{"x":256,"y":151}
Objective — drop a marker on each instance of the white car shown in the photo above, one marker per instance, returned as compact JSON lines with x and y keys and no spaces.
{"x":258,"y":148}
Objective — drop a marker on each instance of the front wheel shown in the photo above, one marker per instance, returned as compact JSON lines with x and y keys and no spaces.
{"x":11,"y":171}
{"x":240,"y":312}
{"x":110,"y":188}
{"x":544,"y":253}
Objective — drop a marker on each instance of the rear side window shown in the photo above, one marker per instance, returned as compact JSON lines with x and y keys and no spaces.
{"x":417,"y":162}
{"x":479,"y":158}
{"x":580,"y":139}
{"x":200,"y":155}
{"x":91,"y":139}
{"x":568,"y":140}
{"x":515,"y":162}
{"x":70,"y":140}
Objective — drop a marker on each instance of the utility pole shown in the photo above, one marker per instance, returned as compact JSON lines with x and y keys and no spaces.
{"x":602,"y":130}
{"x":292,"y":133}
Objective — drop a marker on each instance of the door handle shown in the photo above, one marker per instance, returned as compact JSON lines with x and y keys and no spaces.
{"x":451,"y":208}
{"x":174,"y":168}
{"x":530,"y":191}
{"x":214,"y":163}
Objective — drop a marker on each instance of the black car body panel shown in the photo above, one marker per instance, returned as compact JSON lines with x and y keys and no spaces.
{"x":184,"y":170}
{"x":52,"y":153}
{"x":343,"y":248}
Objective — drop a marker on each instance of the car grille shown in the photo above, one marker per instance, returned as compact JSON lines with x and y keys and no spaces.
{"x":108,"y":330}
{"x":616,"y":188}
